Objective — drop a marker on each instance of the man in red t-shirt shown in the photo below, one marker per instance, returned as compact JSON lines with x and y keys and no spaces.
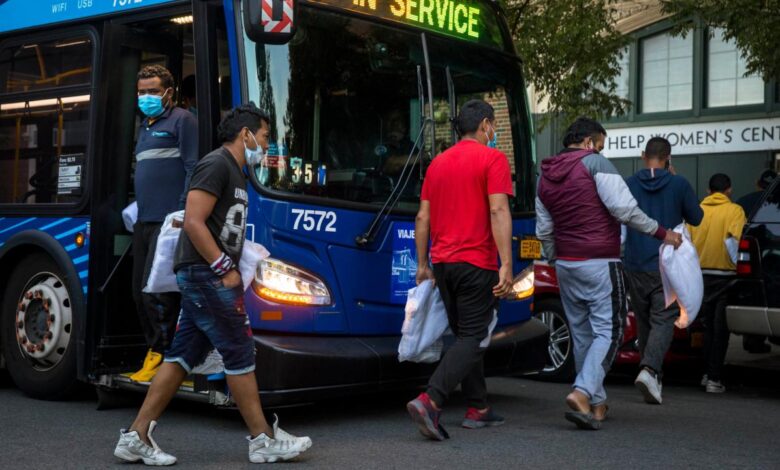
{"x":464,"y":210}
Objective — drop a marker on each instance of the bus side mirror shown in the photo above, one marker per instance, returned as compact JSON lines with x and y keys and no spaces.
{"x":269,"y":21}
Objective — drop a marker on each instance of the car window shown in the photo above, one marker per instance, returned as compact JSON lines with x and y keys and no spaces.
{"x":769,"y":210}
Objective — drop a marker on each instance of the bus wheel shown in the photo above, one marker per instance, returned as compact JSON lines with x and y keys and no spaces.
{"x":37,"y":329}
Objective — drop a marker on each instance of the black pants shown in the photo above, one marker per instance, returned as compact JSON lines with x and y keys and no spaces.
{"x":716,"y":332}
{"x":157,"y":313}
{"x":468,"y":297}
{"x":655,"y":322}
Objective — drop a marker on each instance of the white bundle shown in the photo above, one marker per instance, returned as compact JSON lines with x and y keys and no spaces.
{"x":161,"y":277}
{"x":681,"y":277}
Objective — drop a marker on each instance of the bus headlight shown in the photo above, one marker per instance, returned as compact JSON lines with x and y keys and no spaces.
{"x":523,"y":284}
{"x":281,"y":283}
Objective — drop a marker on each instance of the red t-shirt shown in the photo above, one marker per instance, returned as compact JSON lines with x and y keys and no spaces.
{"x":457,"y":185}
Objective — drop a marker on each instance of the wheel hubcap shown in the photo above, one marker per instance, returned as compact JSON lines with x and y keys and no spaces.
{"x":44,"y":321}
{"x":559,"y":346}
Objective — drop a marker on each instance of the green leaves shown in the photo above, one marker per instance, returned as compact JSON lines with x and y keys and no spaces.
{"x":570,"y":51}
{"x":753,"y":24}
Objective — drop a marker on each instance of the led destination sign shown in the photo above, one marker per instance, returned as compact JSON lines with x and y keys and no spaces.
{"x":464,"y":19}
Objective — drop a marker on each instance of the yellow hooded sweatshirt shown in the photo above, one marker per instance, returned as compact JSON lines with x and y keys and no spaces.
{"x":722,"y":219}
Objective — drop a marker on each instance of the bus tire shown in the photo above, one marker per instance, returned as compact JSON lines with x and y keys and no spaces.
{"x":38,"y":330}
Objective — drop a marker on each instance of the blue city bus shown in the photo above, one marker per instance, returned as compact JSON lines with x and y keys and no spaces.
{"x":361,"y":95}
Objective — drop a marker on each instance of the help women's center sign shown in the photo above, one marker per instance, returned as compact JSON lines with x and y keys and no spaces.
{"x":686,"y":139}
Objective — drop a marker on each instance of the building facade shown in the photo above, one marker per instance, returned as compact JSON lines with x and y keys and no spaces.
{"x":693,"y":91}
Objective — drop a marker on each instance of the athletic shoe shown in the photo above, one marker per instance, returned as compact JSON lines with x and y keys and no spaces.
{"x":714,"y":386}
{"x":281,"y":434}
{"x":647,"y":383}
{"x":427,"y":418}
{"x":284,"y":446}
{"x":149,"y":370}
{"x":213,"y":364}
{"x":479,"y":419}
{"x":131,"y":448}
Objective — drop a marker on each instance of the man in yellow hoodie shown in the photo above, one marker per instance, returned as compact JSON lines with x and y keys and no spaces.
{"x":722,"y":220}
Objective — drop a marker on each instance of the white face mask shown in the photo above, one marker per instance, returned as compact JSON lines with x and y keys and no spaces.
{"x":253,"y":156}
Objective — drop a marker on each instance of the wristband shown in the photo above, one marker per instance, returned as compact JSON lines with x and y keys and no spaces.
{"x":660,"y":233}
{"x":222,"y":265}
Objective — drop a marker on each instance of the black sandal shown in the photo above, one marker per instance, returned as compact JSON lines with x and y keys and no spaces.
{"x":583,"y":420}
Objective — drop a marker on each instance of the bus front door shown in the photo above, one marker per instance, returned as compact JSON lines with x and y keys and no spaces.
{"x":115,"y":343}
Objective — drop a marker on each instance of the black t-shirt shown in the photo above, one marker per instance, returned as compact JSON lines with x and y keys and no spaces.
{"x":218,"y":173}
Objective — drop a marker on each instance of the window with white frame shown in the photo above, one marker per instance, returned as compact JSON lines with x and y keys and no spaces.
{"x":667,"y":73}
{"x":727,"y":84}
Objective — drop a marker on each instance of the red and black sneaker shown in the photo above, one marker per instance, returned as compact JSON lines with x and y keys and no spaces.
{"x":479,"y":419}
{"x":427,"y":417}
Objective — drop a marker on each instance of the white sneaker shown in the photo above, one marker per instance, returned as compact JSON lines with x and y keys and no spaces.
{"x":284,"y":446}
{"x":132,"y":449}
{"x":648,"y":384}
{"x":211,"y":365}
{"x":713,"y":386}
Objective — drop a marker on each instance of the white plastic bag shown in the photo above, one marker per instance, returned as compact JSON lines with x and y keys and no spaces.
{"x":130,"y":215}
{"x":251,"y":256}
{"x":162,"y":278}
{"x":424,"y":325}
{"x":732,"y":246}
{"x":681,"y":277}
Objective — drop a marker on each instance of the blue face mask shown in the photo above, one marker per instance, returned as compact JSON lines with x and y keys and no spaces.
{"x":151,"y":105}
{"x":253,"y":156}
{"x":493,"y":143}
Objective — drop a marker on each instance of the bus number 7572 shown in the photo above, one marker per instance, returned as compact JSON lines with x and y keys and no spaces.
{"x":313,"y":220}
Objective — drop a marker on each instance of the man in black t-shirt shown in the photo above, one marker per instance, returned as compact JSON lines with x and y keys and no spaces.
{"x":213,"y":315}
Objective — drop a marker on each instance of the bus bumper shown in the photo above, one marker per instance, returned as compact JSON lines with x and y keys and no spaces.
{"x":294,"y":369}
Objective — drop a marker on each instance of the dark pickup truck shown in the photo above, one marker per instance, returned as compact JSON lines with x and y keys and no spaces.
{"x":754,"y":297}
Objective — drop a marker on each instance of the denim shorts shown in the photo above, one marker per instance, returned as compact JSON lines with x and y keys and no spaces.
{"x":212,"y":316}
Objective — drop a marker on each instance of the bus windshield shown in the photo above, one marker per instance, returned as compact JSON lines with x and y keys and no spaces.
{"x":344,"y":97}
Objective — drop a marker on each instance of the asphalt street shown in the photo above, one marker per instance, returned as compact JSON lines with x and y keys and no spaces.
{"x":690,"y":430}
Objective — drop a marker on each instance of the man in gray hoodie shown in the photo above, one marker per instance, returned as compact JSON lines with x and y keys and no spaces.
{"x":581,"y":202}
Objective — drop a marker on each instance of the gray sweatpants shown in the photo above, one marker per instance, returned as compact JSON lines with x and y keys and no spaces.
{"x":593,"y":293}
{"x":655,"y":322}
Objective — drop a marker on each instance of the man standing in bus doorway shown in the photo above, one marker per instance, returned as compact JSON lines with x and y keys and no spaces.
{"x":464,"y":251}
{"x":670,"y":199}
{"x":166,"y":153}
{"x":213,"y":314}
{"x":581,"y":202}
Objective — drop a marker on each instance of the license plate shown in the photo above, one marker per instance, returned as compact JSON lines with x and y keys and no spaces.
{"x":530,"y":249}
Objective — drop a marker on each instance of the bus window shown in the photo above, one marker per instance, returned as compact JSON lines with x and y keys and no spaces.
{"x":344,"y":119}
{"x":44,"y":120}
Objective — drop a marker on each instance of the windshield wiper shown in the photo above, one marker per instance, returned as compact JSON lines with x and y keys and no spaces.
{"x":414,"y":157}
{"x":403,"y":181}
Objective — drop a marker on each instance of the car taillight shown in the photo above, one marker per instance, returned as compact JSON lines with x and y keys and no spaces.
{"x":744,"y":262}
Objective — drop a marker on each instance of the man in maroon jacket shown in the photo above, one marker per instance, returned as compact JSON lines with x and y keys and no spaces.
{"x":581,"y":202}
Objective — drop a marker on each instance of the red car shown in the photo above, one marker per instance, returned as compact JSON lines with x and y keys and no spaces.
{"x":686,"y":345}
